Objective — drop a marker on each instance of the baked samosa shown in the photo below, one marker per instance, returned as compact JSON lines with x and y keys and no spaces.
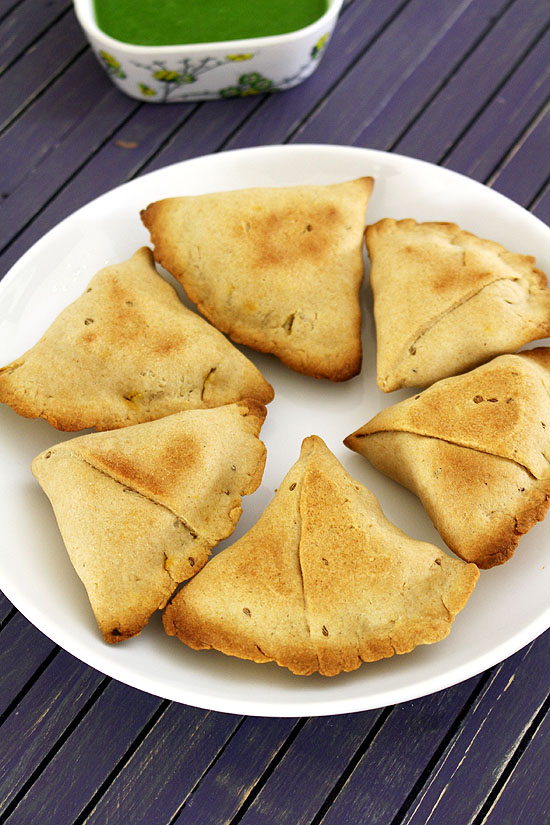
{"x":278,"y":269}
{"x":140,"y":508}
{"x":125,"y":352}
{"x":446,"y":301}
{"x":475,"y":449}
{"x":322,"y":582}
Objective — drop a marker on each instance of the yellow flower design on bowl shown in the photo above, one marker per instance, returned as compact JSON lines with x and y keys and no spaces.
{"x":238,"y":57}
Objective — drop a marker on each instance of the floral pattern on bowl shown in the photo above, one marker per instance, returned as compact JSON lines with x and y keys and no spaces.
{"x":171,"y":74}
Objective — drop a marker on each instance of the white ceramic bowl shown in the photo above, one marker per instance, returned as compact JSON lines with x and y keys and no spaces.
{"x":206,"y":71}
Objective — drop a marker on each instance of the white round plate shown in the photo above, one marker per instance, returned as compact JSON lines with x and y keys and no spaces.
{"x":509,"y":606}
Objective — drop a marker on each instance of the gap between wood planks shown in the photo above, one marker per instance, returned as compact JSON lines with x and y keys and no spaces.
{"x":445,"y":80}
{"x":511,"y":764}
{"x":10,"y":808}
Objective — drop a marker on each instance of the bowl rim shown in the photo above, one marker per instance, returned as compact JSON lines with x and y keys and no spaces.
{"x":85,"y":15}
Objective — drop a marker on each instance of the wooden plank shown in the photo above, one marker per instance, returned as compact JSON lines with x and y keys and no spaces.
{"x":519,"y":177}
{"x":86,"y":757}
{"x":111,"y":165}
{"x":493,"y":134}
{"x":487,"y":738}
{"x":44,"y":179}
{"x":6,"y":607}
{"x":367,"y":89}
{"x":205,"y":131}
{"x":43,"y":716}
{"x":22,"y":651}
{"x":35,"y":69}
{"x":526,"y":795}
{"x":383,"y":127}
{"x":8,"y":6}
{"x":387,"y":773}
{"x":473,"y":86}
{"x":236,"y":772}
{"x":57,"y":125}
{"x":157,"y":779}
{"x":25,"y":24}
{"x":311,"y":766}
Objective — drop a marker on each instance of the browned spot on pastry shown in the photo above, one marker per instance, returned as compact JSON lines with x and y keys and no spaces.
{"x":166,"y":344}
{"x":279,"y":237}
{"x":438,"y":402}
{"x":470,"y":279}
{"x":177,"y":456}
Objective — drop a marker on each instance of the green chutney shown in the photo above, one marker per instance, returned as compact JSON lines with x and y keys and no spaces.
{"x":173,"y":22}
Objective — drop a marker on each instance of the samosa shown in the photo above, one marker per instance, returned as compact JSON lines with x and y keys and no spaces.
{"x":277,"y":268}
{"x":475,"y":448}
{"x":323,"y":581}
{"x":127,"y":351}
{"x":446,"y":301}
{"x":140,"y":508}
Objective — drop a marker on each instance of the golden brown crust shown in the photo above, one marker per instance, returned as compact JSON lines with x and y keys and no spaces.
{"x":277,"y":269}
{"x":250,"y":601}
{"x":322,"y":582}
{"x":127,"y":351}
{"x":475,"y":449}
{"x":480,"y":504}
{"x":446,"y":301}
{"x":148,"y":503}
{"x":502,"y":408}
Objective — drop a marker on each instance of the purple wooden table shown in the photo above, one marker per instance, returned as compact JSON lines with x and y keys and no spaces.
{"x":461,"y":83}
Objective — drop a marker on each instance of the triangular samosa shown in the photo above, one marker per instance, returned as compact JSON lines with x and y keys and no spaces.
{"x":446,"y":301}
{"x":323,"y":581}
{"x":278,"y":269}
{"x":125,"y":352}
{"x":140,"y":508}
{"x":475,"y":449}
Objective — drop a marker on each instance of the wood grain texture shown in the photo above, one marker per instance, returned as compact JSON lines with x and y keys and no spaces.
{"x":423,"y":82}
{"x":471,"y":765}
{"x":476,"y":82}
{"x":519,"y":177}
{"x":6,"y":608}
{"x":510,"y":113}
{"x":367,"y":88}
{"x":235,"y":775}
{"x":526,"y":795}
{"x":27,"y":76}
{"x":23,"y":648}
{"x":154,"y":784}
{"x":26,"y":24}
{"x":55,"y":126}
{"x":384,"y":779}
{"x":86,"y":757}
{"x":310,"y":768}
{"x":43,"y":717}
